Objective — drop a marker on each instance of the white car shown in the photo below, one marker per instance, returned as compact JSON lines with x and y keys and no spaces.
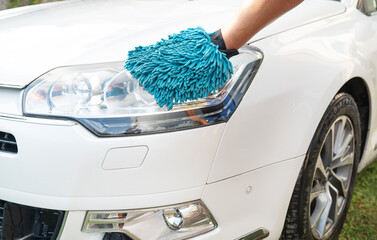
{"x":87,"y":154}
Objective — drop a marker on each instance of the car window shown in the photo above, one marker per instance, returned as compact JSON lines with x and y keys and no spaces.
{"x":369,"y":7}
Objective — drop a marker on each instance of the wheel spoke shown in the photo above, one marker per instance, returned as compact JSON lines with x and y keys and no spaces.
{"x":320,"y":217}
{"x":339,"y":183}
{"x":327,"y":151}
{"x":344,"y":161}
{"x":346,"y":141}
{"x":321,"y":204}
{"x":317,"y":190}
{"x":338,"y":136}
{"x":345,"y":145}
{"x":334,"y":212}
{"x":320,"y":170}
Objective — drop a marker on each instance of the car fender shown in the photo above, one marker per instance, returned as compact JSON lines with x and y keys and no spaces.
{"x":302,"y":71}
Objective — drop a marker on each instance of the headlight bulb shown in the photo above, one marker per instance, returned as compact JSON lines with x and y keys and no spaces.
{"x":59,"y":94}
{"x":82,"y":89}
{"x":119,"y":91}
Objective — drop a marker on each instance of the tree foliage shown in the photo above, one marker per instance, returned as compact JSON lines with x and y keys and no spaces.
{"x":19,"y":3}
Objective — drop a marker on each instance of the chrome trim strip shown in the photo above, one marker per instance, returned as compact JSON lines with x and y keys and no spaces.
{"x":62,"y":226}
{"x":260,"y":233}
{"x":14,"y":86}
{"x":44,"y":121}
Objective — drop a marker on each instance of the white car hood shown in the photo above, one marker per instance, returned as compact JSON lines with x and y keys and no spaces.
{"x":36,"y":39}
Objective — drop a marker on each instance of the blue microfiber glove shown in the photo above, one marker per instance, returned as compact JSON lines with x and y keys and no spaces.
{"x":185,"y":66}
{"x":217,"y":38}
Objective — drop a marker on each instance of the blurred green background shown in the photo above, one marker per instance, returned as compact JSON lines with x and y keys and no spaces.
{"x":4,"y":4}
{"x":361,"y":222}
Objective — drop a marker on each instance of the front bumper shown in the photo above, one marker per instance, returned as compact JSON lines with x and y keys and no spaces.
{"x":59,"y":159}
{"x":237,"y":211}
{"x":60,"y":165}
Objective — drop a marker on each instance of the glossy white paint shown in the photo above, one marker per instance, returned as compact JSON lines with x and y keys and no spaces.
{"x":280,"y":113}
{"x":243,"y":211}
{"x":92,"y":31}
{"x":101,"y":203}
{"x":66,"y":161}
{"x":309,"y":54}
{"x":10,"y":101}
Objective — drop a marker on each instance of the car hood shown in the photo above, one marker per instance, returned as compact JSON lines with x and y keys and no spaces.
{"x":37,"y":38}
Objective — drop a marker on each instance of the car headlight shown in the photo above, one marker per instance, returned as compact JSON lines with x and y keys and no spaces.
{"x":180,"y":221}
{"x":107,"y":100}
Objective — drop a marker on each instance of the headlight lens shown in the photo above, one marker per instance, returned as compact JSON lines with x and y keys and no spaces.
{"x":180,"y":221}
{"x":107,"y":100}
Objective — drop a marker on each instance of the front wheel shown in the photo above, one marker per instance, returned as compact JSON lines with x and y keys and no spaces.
{"x":324,"y":187}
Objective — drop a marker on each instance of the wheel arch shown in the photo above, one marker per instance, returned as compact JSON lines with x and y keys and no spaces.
{"x":358,"y":89}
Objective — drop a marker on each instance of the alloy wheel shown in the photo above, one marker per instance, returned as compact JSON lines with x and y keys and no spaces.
{"x":332,"y":177}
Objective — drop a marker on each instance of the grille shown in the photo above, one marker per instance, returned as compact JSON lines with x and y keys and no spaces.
{"x":2,"y":203}
{"x":8,"y":143}
{"x":28,"y":223}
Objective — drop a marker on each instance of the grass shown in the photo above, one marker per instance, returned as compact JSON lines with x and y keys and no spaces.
{"x":19,"y":3}
{"x":361,"y":222}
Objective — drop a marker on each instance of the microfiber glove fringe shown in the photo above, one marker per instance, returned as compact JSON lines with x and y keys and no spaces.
{"x":186,"y":66}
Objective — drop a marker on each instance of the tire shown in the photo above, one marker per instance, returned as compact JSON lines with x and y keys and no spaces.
{"x":116,"y":236}
{"x":312,"y":212}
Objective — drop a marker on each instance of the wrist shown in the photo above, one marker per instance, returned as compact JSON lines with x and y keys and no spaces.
{"x":217,"y":39}
{"x":229,"y":40}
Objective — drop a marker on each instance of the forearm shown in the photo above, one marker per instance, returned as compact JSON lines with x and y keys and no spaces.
{"x":252,"y":17}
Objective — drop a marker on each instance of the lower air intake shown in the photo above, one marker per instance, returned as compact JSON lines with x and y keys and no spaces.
{"x":28,"y":223}
{"x":8,"y":143}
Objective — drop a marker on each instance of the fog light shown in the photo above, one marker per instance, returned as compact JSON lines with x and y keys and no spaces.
{"x":173,"y":218}
{"x":171,"y":222}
